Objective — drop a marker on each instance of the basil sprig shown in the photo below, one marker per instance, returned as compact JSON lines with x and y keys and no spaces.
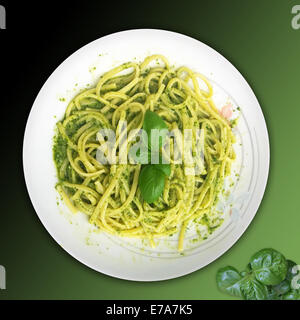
{"x":269,"y":266}
{"x":156,"y":130}
{"x":268,"y":276}
{"x":152,"y":176}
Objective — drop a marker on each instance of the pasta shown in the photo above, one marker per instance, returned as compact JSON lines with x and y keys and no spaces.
{"x":109,"y":193}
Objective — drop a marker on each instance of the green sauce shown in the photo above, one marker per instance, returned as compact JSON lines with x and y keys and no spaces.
{"x":59,"y":150}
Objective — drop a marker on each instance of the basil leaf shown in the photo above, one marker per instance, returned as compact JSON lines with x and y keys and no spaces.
{"x":165,"y":168}
{"x":291,"y":295}
{"x":151,"y":183}
{"x":228,"y":281}
{"x":272,"y":294}
{"x":290,"y":275}
{"x":252,"y":289}
{"x":269,"y":266}
{"x":283,"y":287}
{"x":156,"y":130}
{"x":268,"y":276}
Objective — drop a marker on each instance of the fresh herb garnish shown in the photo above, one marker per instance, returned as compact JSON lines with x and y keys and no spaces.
{"x":164,"y":168}
{"x":152,"y":176}
{"x":156,"y":130}
{"x":269,"y":266}
{"x":151,"y":183}
{"x":268,"y":276}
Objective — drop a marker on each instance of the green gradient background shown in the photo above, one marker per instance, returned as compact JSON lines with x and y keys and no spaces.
{"x":256,"y":36}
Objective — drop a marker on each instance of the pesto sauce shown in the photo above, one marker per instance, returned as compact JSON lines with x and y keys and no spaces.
{"x":59,"y":149}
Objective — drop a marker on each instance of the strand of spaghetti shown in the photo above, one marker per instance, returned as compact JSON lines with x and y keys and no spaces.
{"x":106,"y":194}
{"x":66,"y":199}
{"x":65,"y":136}
{"x":79,"y":170}
{"x":131,"y":193}
{"x":115,"y":71}
{"x":145,"y":63}
{"x":81,"y":148}
{"x":189,"y":181}
{"x":82,"y":188}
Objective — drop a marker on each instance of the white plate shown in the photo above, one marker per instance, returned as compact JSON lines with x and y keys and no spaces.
{"x":133,"y":259}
